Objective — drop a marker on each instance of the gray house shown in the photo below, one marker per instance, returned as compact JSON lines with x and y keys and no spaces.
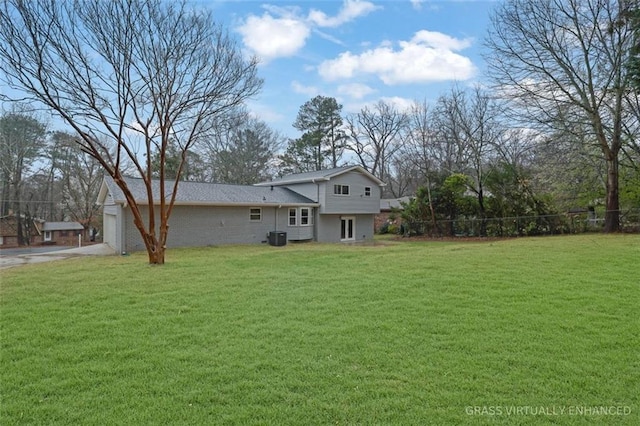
{"x":348,"y":199}
{"x":328,"y":206}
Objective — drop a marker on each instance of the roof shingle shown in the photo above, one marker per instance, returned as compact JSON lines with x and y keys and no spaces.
{"x":320,"y":175}
{"x":201,"y":193}
{"x":62,"y":226}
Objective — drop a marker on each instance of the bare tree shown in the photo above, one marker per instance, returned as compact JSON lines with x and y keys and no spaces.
{"x":571,"y":169}
{"x":79,"y":178}
{"x":565,"y":62}
{"x":22,"y":138}
{"x":403,"y":175}
{"x":470,"y":122}
{"x":137,"y":72}
{"x":631,"y":128}
{"x":376,"y":135}
{"x":421,"y":148}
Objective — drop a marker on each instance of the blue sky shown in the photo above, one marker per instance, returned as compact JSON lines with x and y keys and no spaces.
{"x":355,"y":50}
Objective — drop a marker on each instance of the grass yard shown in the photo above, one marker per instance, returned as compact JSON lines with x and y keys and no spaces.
{"x":525,"y":331}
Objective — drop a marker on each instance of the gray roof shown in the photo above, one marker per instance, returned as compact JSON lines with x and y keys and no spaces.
{"x":393,"y":203}
{"x":201,"y":193}
{"x":62,"y":226}
{"x":319,"y":175}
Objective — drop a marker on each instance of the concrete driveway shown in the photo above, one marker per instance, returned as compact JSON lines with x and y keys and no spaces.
{"x":22,"y":256}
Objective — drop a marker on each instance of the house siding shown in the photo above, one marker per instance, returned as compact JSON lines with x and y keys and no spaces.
{"x":66,"y":238}
{"x":8,"y":231}
{"x":216,"y":214}
{"x":309,"y":190}
{"x":354,"y":203}
{"x":329,"y":227}
{"x":206,"y":226}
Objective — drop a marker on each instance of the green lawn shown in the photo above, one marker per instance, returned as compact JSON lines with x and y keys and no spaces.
{"x":525,"y":331}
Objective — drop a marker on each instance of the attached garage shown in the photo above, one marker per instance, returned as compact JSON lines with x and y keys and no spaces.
{"x":109,"y":230}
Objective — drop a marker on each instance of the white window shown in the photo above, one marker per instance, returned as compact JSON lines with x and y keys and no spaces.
{"x":293,"y":217}
{"x":305,"y":217}
{"x":367,"y":191}
{"x":47,"y":235}
{"x":341,"y":189}
{"x":255,"y":214}
{"x":302,"y":216}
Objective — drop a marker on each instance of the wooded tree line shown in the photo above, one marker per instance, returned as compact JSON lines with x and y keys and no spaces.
{"x":556,"y":128}
{"x":464,"y":156}
{"x":133,"y":80}
{"x":44,"y":175}
{"x":559,"y":121}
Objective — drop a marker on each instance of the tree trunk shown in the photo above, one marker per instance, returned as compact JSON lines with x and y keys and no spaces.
{"x":435,"y":230}
{"x":17,"y":210}
{"x":612,"y":214}
{"x":483,"y":214}
{"x":155,"y":250}
{"x":156,"y":255}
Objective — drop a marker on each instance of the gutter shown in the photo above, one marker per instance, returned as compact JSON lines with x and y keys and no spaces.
{"x":229,"y":204}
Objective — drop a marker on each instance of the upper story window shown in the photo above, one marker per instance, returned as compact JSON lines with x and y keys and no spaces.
{"x":293,"y":216}
{"x":341,"y":189}
{"x":255,"y":214}
{"x":367,"y":191}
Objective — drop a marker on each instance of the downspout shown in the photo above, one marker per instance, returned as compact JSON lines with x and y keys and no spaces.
{"x":275,"y":215}
{"x":316,"y":213}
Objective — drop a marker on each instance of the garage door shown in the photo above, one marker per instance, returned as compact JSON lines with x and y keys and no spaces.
{"x":109,"y":236}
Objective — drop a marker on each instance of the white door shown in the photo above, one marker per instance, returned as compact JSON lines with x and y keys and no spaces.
{"x":109,"y":231}
{"x":347,"y":228}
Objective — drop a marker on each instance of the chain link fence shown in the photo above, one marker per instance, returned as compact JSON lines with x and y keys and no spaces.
{"x":567,"y":223}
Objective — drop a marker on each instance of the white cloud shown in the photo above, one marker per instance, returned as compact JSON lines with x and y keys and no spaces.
{"x":438,"y":40}
{"x":429,"y":56}
{"x":329,"y":37}
{"x":265,"y":113}
{"x":417,"y":4}
{"x":350,"y":10}
{"x":355,"y":90}
{"x":304,"y":90}
{"x":270,"y":37}
{"x":283,"y":31}
{"x":401,"y":104}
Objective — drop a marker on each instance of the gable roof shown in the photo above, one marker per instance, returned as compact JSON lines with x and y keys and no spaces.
{"x":62,"y":226}
{"x":320,"y":176}
{"x":206,"y":194}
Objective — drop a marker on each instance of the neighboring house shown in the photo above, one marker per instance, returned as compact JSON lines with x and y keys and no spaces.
{"x":9,"y":229}
{"x":387,"y":207}
{"x":40,"y":231}
{"x":62,"y":233}
{"x":328,"y":206}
